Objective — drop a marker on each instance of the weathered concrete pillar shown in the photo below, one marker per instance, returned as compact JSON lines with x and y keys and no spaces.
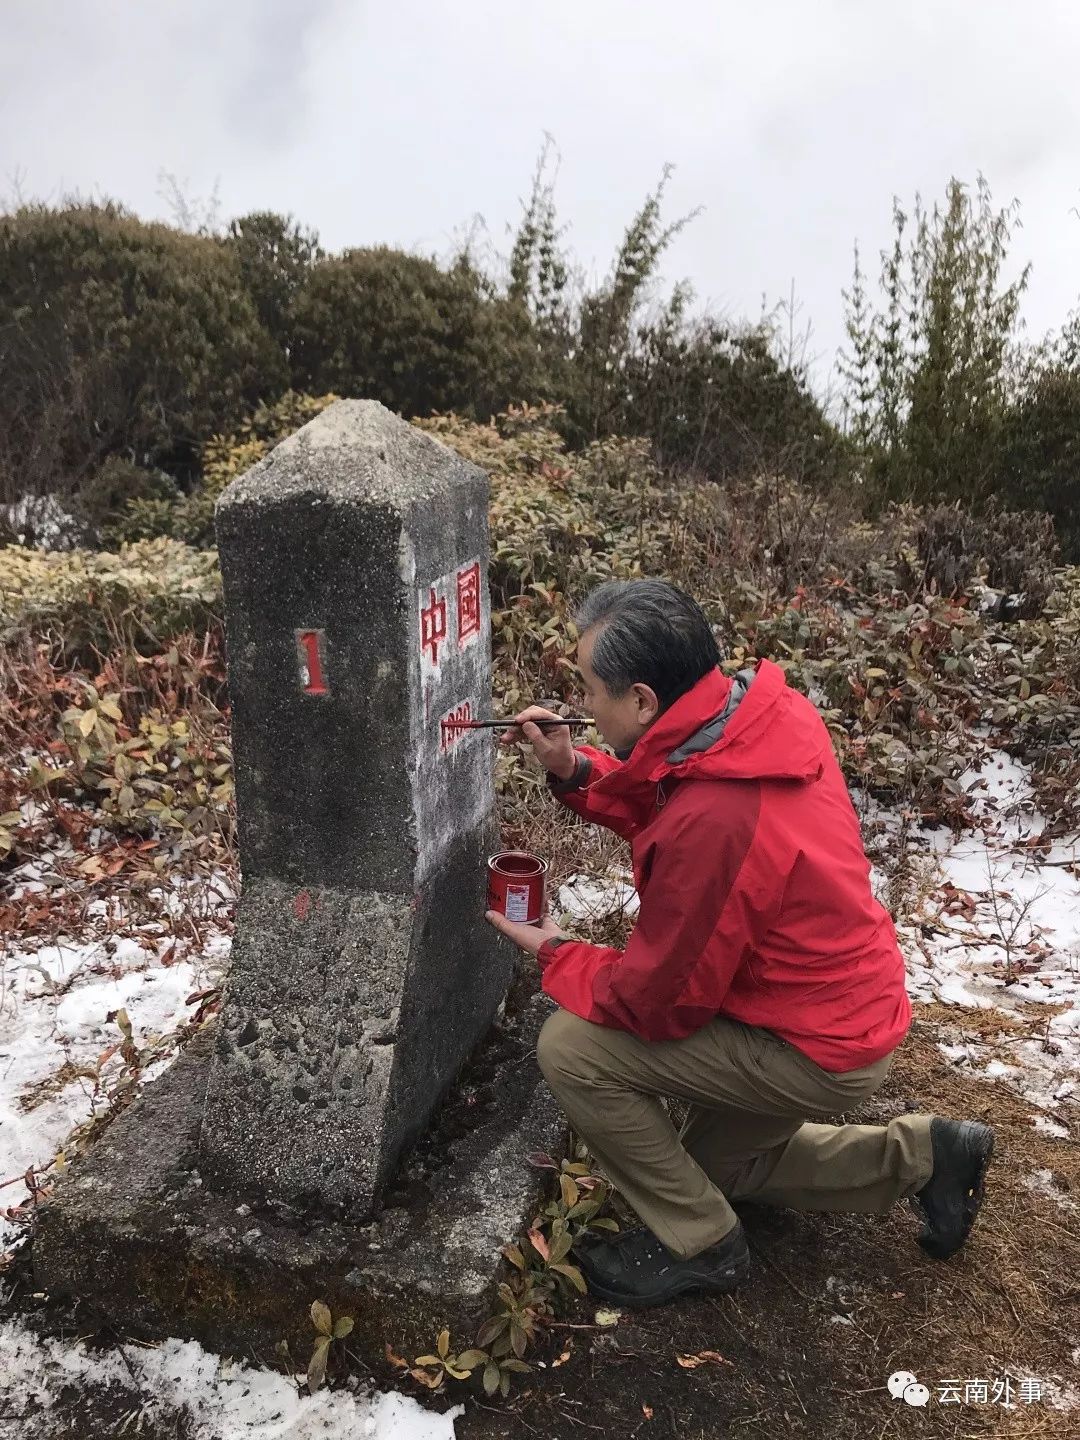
{"x":354,"y":562}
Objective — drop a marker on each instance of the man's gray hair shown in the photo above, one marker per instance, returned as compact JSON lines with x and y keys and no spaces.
{"x":650,"y":633}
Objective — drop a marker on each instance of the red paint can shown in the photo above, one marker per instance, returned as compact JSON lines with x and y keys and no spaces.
{"x":516,"y":883}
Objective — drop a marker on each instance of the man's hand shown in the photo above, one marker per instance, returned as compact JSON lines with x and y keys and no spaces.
{"x":553,"y":746}
{"x":528,"y":937}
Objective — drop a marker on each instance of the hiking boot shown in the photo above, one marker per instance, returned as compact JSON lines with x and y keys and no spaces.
{"x":950,"y":1199}
{"x":635,"y":1269}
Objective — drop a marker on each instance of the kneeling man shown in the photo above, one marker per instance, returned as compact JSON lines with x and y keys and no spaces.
{"x":763,"y":983}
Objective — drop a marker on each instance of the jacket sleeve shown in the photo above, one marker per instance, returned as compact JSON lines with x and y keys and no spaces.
{"x":574,"y":793}
{"x":702,"y":913}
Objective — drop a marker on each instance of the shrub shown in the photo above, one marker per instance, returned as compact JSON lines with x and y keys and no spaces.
{"x":117,"y":484}
{"x":85,"y":603}
{"x":119,"y":337}
{"x":948,"y":549}
{"x":190,"y":518}
{"x":398,"y":328}
{"x":945,"y":555}
{"x":1041,"y":461}
{"x":716,"y":399}
{"x":275,"y":256}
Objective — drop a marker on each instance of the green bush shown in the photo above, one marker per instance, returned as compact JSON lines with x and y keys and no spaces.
{"x":190,"y":518}
{"x":119,"y":338}
{"x":398,"y":328}
{"x":135,"y":343}
{"x":1041,"y":450}
{"x":275,"y":256}
{"x":717,"y":400}
{"x":116,"y":485}
{"x":80,"y":601}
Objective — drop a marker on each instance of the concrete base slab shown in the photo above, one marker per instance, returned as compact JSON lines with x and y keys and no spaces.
{"x":134,"y":1233}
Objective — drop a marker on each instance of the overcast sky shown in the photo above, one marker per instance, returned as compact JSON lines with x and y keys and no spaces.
{"x":792,"y":124}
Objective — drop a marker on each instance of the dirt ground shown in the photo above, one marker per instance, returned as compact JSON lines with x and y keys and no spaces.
{"x":836,"y":1305}
{"x":1008,"y":1303}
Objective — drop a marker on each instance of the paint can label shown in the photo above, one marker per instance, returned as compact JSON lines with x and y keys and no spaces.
{"x":517,"y":903}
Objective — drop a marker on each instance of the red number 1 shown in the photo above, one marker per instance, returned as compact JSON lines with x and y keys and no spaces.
{"x":309,"y":651}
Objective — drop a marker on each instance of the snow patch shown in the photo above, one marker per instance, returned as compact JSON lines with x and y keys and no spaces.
{"x":55,"y":1000}
{"x":1043,"y":1183}
{"x":588,"y":897}
{"x":998,"y":928}
{"x":221,"y":1399}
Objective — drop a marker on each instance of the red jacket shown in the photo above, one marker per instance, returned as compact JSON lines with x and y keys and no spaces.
{"x":754,"y":885}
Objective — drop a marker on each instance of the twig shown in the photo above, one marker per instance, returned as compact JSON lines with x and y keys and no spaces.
{"x":568,"y":1325}
{"x":795,"y":1390}
{"x":34,"y":1170}
{"x":1012,"y":1307}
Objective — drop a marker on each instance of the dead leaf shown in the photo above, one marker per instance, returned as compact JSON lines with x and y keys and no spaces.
{"x":316,"y":1371}
{"x":398,"y":1362}
{"x":703,"y":1357}
{"x":428,"y":1378}
{"x":715,"y":1358}
{"x":539,"y":1244}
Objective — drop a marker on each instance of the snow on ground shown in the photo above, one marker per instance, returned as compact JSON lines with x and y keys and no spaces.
{"x":218,"y":1399}
{"x":586,"y":897}
{"x":996,"y":926}
{"x":1043,"y":1183}
{"x":55,"y":1000}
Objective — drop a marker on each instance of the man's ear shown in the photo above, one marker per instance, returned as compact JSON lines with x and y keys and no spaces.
{"x":648,"y":704}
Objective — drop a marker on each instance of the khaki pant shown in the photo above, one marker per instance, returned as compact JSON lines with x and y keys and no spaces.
{"x":746,"y":1137}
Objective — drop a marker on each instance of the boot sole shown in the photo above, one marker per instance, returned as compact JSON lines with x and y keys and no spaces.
{"x":972,"y":1204}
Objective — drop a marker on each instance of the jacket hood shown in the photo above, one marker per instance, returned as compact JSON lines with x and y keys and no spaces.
{"x":750,"y":727}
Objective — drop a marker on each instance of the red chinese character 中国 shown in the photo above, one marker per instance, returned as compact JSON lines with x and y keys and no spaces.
{"x":468,"y":603}
{"x":433,"y":625}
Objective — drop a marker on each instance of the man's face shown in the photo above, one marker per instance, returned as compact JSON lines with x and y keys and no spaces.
{"x":621,"y":719}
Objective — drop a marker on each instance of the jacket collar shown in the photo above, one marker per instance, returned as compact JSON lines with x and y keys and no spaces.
{"x":648,"y":760}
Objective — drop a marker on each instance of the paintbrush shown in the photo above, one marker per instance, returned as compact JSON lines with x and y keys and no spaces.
{"x":510,"y":724}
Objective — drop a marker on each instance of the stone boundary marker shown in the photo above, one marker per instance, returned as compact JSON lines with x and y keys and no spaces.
{"x":357,"y":620}
{"x":354,"y":560}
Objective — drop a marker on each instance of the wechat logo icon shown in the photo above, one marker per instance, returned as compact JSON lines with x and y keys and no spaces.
{"x":904,"y":1386}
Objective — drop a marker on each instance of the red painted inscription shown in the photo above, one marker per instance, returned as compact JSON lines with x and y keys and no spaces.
{"x":309,"y":650}
{"x":433,"y":625}
{"x":468,"y":604}
{"x":450,"y":727}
